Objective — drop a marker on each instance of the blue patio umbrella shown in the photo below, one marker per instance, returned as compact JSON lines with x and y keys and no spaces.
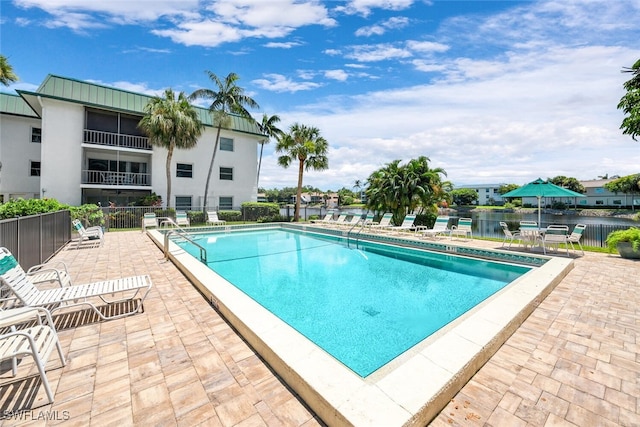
{"x":540,"y":189}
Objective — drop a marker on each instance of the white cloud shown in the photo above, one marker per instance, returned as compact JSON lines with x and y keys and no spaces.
{"x":339,"y":75}
{"x":382,"y":27}
{"x":280,"y":83}
{"x":364,"y":7}
{"x":282,"y":45}
{"x":548,"y":113}
{"x":377,"y":52}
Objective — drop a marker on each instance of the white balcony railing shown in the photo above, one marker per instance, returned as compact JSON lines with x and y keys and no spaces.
{"x":116,"y":140}
{"x":116,"y":178}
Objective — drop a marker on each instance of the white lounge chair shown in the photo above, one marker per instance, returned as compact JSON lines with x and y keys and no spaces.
{"x":354,"y":220}
{"x":407,"y":224}
{"x":34,"y":338}
{"x":341,"y":220}
{"x":23,"y":288}
{"x":182,"y":218}
{"x":149,"y":220}
{"x":48,"y":272}
{"x":369,"y":220}
{"x":441,"y":226}
{"x":385,"y":222}
{"x":510,"y":235}
{"x":327,"y":218}
{"x":462,"y":229}
{"x":212,"y":218}
{"x":90,"y":234}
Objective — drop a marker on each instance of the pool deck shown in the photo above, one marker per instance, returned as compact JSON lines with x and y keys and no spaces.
{"x":574,"y":361}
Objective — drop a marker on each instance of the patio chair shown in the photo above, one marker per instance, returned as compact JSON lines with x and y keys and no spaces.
{"x":90,"y":234}
{"x":407,"y":224}
{"x":530,"y":233}
{"x":575,"y":236}
{"x":149,"y":220}
{"x":385,"y":222}
{"x":212,"y":218}
{"x":34,"y":338}
{"x":510,"y":235}
{"x":23,"y":288}
{"x":354,"y":220}
{"x":462,"y":229}
{"x":553,"y":236}
{"x":441,"y":226}
{"x":182,"y":218}
{"x":48,"y":272}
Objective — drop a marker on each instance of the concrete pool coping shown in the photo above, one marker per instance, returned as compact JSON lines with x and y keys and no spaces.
{"x":410,"y":390}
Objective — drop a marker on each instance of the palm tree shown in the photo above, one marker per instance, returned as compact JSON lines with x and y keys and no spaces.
{"x":402,"y":189}
{"x":6,"y":72}
{"x":227,"y":98}
{"x":171,"y":123}
{"x":305,"y":144}
{"x":267,"y":127}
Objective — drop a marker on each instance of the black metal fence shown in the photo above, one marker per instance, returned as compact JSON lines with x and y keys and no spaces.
{"x":594,"y":235}
{"x":34,"y":239}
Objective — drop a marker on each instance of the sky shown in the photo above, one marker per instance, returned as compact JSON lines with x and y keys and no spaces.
{"x":491,"y":92}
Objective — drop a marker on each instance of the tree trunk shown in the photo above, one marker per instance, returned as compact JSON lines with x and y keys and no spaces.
{"x":296,"y":216}
{"x":168,"y":170}
{"x":213,"y":157}
{"x":259,"y":164}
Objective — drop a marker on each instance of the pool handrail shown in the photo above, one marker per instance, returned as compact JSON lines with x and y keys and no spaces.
{"x":180,"y":232}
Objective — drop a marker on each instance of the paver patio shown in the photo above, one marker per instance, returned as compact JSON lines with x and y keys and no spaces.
{"x":574,"y":361}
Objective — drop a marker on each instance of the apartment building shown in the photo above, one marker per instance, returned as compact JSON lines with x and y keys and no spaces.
{"x":78,"y":142}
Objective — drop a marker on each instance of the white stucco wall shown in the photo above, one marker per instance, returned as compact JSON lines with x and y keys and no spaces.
{"x":16,"y":153}
{"x":62,"y":128}
{"x":243,"y":160}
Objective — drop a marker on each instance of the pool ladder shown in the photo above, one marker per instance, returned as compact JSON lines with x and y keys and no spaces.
{"x":180,"y":232}
{"x":360,"y":222}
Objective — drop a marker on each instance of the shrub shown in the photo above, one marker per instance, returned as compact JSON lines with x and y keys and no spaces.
{"x":273,"y":218}
{"x":89,"y":214}
{"x":230,"y":215}
{"x":21,"y":207}
{"x":630,"y":235}
{"x":251,"y":211}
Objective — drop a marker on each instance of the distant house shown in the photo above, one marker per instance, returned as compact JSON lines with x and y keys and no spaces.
{"x":329,"y":200}
{"x":78,"y":142}
{"x":487,"y":193}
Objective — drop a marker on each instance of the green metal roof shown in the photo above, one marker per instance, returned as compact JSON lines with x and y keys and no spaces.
{"x":13,"y":104}
{"x":99,"y":96}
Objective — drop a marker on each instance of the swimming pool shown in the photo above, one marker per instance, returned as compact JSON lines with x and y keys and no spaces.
{"x":412,"y":388}
{"x":363,"y":306}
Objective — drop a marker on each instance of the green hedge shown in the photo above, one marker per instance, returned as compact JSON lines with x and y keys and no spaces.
{"x":254,"y":211}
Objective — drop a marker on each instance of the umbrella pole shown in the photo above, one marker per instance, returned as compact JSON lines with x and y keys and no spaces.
{"x":539,"y":221}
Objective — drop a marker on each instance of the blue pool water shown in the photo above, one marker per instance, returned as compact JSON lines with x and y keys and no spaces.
{"x":363,"y":306}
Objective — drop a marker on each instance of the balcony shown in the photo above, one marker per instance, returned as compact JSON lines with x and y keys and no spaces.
{"x":116,"y":140}
{"x":116,"y":178}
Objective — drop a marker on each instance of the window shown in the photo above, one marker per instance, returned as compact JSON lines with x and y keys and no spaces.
{"x":225,"y":203}
{"x":184,"y":170}
{"x":226,"y":174}
{"x":35,"y":169}
{"x":36,"y":135}
{"x":226,"y":144}
{"x":617,"y":202}
{"x":599,"y":202}
{"x":183,"y":203}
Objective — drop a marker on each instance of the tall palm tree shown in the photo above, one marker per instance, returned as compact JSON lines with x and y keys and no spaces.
{"x":171,"y":123}
{"x":6,"y":72}
{"x":269,"y":128}
{"x":305,"y":144}
{"x":227,"y":98}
